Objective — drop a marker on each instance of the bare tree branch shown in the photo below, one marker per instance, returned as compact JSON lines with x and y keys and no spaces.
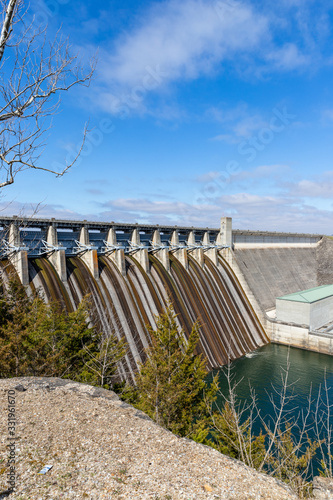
{"x":7,"y":26}
{"x":32,"y":80}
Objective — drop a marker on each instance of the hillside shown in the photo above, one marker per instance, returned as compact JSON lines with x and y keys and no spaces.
{"x":102,"y":448}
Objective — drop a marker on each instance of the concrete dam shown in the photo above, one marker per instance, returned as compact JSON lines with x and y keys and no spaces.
{"x":227,"y":280}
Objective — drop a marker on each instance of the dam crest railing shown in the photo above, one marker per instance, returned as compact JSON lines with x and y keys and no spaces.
{"x":23,"y":238}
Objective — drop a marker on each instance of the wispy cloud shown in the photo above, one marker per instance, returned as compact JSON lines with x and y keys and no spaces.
{"x":262,"y":172}
{"x":184,"y":39}
{"x":274,"y":213}
{"x":95,"y":192}
{"x":327,"y":116}
{"x":39,"y":210}
{"x":249,"y":211}
{"x":176,"y":41}
{"x":318,"y":187}
{"x":181,"y":41}
{"x":288,"y":57}
{"x":238,"y":123}
{"x":267,"y":198}
{"x":161,"y":212}
{"x":253,"y":211}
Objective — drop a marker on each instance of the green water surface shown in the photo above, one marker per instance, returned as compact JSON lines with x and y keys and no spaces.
{"x":262,"y":369}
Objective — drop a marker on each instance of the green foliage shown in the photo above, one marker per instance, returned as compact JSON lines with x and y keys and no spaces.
{"x":290,"y":460}
{"x":233,"y":437}
{"x":101,"y":364}
{"x":171,"y":386}
{"x":324,"y":470}
{"x":39,"y":339}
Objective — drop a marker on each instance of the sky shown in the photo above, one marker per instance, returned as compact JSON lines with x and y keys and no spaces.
{"x":198,"y":109}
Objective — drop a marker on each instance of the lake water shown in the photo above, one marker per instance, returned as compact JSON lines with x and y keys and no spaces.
{"x":263,"y":368}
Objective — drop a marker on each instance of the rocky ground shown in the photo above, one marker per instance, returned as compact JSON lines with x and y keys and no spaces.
{"x":101,"y":448}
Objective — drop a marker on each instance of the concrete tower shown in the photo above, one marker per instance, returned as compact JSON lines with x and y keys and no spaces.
{"x":226,"y":231}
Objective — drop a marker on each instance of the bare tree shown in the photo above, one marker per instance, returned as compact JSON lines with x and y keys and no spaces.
{"x":324,"y":427}
{"x":283,"y":449}
{"x":104,"y":362}
{"x":33,"y":74}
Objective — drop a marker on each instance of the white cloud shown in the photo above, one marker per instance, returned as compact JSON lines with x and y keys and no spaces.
{"x":146,"y":206}
{"x":223,"y":113}
{"x":228,"y":138}
{"x":266,"y":198}
{"x":184,"y":39}
{"x":240,"y":122}
{"x":276,"y":214}
{"x":262,"y":172}
{"x":321,"y":188}
{"x":175,"y":41}
{"x":253,"y":201}
{"x":95,"y":192}
{"x":208,"y":177}
{"x":288,"y":57}
{"x":161,"y":212}
{"x":327,"y":116}
{"x":249,"y":211}
{"x":39,"y":210}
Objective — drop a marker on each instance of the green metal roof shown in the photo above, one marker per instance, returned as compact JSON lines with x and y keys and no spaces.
{"x":311,"y":295}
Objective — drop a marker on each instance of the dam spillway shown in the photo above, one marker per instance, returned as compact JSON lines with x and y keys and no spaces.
{"x":130,"y":275}
{"x":227,"y":280}
{"x":127,"y":304}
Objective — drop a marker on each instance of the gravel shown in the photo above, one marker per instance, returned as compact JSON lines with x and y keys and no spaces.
{"x":101,"y":448}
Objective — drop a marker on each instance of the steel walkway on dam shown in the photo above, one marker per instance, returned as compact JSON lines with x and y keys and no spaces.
{"x":32,"y":236}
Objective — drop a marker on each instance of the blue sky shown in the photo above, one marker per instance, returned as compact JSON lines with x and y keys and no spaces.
{"x":197,"y":110}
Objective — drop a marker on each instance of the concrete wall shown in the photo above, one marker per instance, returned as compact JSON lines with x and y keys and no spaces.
{"x":325,"y":261}
{"x":274,"y":272}
{"x":297,"y":336}
{"x":230,"y":257}
{"x":257,"y":238}
{"x":312,"y":315}
{"x":266,"y":273}
{"x":321,"y":312}
{"x":290,"y":311}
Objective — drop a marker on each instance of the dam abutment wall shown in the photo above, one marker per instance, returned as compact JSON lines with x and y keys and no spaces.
{"x":268,"y":270}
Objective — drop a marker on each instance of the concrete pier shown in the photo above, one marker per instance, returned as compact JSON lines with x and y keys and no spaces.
{"x":225,"y":236}
{"x":56,"y":255}
{"x":195,"y":252}
{"x":18,"y":256}
{"x":178,"y":251}
{"x":138,"y":251}
{"x":114,"y":253}
{"x":162,"y":254}
{"x":88,"y":253}
{"x":210,"y":252}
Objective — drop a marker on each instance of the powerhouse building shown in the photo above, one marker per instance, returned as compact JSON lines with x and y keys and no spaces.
{"x":312,"y":308}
